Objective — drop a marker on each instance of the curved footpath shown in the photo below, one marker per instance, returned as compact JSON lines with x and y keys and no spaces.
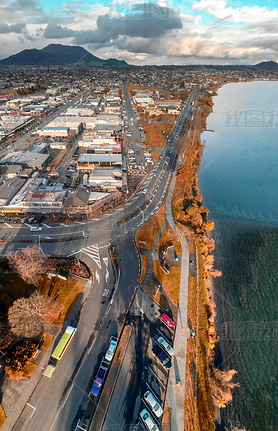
{"x":175,"y":396}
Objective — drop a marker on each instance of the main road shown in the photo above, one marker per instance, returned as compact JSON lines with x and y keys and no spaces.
{"x":57,"y":403}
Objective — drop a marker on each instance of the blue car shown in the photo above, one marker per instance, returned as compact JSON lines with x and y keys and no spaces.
{"x":99,"y":379}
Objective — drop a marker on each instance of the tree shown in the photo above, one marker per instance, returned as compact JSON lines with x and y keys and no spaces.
{"x":29,"y":263}
{"x":27,"y":316}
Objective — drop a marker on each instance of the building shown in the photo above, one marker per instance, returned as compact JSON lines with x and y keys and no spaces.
{"x":10,"y":171}
{"x":44,"y":197}
{"x":9,"y":189}
{"x":89,"y":161}
{"x":26,"y":158}
{"x":105,"y":178}
{"x":54,"y":132}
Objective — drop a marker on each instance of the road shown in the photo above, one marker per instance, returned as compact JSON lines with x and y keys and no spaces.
{"x":59,"y":402}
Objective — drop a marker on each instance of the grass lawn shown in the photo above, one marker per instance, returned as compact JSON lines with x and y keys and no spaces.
{"x":170,"y":282}
{"x":169,"y":237}
{"x":144,"y":260}
{"x":146,"y":233}
{"x":65,"y":292}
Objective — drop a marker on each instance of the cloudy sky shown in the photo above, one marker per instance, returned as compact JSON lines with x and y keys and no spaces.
{"x":156,"y":32}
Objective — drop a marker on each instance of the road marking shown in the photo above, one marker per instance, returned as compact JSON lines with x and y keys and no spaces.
{"x":93,"y":253}
{"x":28,"y":225}
{"x":63,"y":224}
{"x":67,"y":397}
{"x":46,"y":225}
{"x":7,"y":224}
{"x":97,"y":276}
{"x":32,"y":407}
{"x":105,"y":260}
{"x":80,"y":222}
{"x":106,"y":275}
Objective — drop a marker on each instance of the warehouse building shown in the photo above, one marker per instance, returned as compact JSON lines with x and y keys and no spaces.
{"x":89,"y":161}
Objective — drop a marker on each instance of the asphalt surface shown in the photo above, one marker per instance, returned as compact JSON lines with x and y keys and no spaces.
{"x":59,"y":402}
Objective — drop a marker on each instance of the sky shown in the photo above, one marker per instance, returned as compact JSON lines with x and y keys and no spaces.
{"x":146,"y":32}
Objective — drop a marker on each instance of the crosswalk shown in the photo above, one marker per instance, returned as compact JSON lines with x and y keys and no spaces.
{"x":93,"y":253}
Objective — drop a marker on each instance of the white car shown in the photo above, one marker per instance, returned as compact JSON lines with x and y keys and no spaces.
{"x":112,"y":348}
{"x":153,"y":403}
{"x":148,"y":421}
{"x":35,"y":228}
{"x":165,"y":346}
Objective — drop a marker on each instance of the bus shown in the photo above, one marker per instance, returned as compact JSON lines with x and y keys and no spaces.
{"x":63,"y":343}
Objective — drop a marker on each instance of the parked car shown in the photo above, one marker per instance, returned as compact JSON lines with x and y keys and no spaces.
{"x":153,"y":403}
{"x":99,"y":378}
{"x":165,"y":345}
{"x":148,"y":421}
{"x":164,"y":359}
{"x":112,"y":348}
{"x":166,"y":319}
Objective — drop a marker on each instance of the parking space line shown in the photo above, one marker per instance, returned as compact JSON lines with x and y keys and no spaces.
{"x":7,"y":224}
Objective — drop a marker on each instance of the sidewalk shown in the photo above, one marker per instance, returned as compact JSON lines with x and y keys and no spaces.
{"x":175,"y":396}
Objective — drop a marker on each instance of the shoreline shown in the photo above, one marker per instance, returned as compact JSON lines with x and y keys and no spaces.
{"x":209,"y":388}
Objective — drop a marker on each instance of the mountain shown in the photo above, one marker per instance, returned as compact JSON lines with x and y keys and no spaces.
{"x":267,"y":65}
{"x":59,"y":55}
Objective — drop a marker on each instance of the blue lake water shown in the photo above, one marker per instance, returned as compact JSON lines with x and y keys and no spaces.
{"x":239,"y":184}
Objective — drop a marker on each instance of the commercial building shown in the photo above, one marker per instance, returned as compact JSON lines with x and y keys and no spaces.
{"x":54,"y":132}
{"x":105,"y":178}
{"x":26,"y":158}
{"x":89,"y":161}
{"x":9,"y":189}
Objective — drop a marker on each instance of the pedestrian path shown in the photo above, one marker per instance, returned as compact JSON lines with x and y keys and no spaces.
{"x":175,"y":396}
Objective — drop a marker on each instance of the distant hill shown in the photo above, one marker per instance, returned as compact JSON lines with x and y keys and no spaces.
{"x":58,"y":55}
{"x":267,"y":65}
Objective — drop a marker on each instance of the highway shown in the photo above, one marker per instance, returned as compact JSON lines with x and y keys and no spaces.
{"x":59,"y":402}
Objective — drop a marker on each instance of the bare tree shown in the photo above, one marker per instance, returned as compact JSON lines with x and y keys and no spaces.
{"x":27,"y":316}
{"x":29,"y":263}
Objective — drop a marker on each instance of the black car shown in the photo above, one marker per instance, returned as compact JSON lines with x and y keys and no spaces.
{"x":164,"y":359}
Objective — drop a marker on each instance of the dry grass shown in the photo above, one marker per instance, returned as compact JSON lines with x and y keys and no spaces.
{"x":166,"y":419}
{"x":169,"y":237}
{"x":63,"y":292}
{"x":3,"y":416}
{"x":47,"y":340}
{"x":144,"y":265}
{"x":155,"y":155}
{"x":29,"y":370}
{"x":156,"y":134}
{"x":147,"y":233}
{"x":170,"y":282}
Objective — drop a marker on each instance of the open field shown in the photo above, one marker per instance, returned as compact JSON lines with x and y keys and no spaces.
{"x":170,"y":282}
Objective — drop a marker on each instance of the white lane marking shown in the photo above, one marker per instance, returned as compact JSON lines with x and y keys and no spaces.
{"x":67,"y":397}
{"x":28,"y":225}
{"x":105,"y":260}
{"x":63,"y":224}
{"x":93,"y":253}
{"x":46,"y":225}
{"x":7,"y":224}
{"x":32,"y":407}
{"x":106,"y":275}
{"x":97,"y":276}
{"x":80,"y":222}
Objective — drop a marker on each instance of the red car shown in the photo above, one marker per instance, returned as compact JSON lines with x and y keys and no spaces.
{"x":166,"y":319}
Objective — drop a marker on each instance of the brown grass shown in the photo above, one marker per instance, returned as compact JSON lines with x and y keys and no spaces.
{"x":47,"y":340}
{"x":63,"y":292}
{"x":154,"y":135}
{"x":169,"y":237}
{"x":166,"y":419}
{"x":3,"y":416}
{"x":155,"y":155}
{"x":149,"y":230}
{"x":170,"y":282}
{"x":144,"y":265}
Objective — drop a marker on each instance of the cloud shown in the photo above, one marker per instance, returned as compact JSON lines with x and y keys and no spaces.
{"x":243,"y":14}
{"x":13,"y":28}
{"x":144,"y":21}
